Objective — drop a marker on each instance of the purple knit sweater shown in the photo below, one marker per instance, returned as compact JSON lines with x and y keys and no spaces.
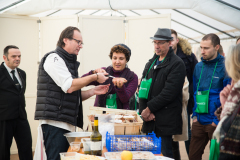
{"x":124,"y":93}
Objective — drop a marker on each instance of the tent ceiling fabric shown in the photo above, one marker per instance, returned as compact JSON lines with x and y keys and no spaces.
{"x":191,"y":18}
{"x":209,"y":8}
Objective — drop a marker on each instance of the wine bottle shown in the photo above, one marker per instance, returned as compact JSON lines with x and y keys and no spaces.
{"x":96,"y":140}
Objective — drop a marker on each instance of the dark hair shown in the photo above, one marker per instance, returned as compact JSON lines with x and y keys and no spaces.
{"x":120,"y":49}
{"x":220,"y":50}
{"x":237,"y":39}
{"x":6,"y":49}
{"x":213,"y":37}
{"x":66,"y":33}
{"x":174,"y":32}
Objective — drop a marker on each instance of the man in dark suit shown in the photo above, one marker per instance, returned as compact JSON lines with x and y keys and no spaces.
{"x":13,"y":117}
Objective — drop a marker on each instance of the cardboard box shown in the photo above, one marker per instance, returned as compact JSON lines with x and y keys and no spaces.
{"x":133,"y":128}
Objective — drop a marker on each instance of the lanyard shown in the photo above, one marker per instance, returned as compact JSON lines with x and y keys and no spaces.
{"x":212,"y":76}
{"x":152,"y":65}
{"x":136,"y":101}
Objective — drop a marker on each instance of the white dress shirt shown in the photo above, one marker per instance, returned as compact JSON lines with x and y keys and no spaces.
{"x":16,"y":74}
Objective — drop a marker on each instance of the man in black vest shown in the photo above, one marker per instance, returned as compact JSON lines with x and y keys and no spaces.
{"x":13,"y":117}
{"x":59,"y":95}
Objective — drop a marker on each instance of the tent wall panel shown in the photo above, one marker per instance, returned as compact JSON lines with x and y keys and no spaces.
{"x":51,"y":28}
{"x":138,"y":31}
{"x":99,"y":36}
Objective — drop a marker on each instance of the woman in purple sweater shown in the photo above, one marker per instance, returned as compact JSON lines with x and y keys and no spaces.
{"x":124,"y":83}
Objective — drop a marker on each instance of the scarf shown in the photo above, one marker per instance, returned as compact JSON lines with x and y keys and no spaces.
{"x":229,"y":106}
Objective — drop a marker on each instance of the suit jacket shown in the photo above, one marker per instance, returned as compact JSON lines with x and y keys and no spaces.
{"x":12,"y":101}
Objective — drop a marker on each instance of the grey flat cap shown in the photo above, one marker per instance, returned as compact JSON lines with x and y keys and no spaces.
{"x":162,"y":34}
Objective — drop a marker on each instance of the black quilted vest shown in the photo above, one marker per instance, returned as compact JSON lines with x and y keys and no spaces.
{"x":52,"y":102}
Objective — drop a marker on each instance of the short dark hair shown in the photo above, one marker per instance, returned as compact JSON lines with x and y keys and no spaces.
{"x":237,"y":39}
{"x":213,"y":37}
{"x":66,"y":33}
{"x":220,"y":50}
{"x":6,"y":49}
{"x":120,"y":49}
{"x":173,"y":32}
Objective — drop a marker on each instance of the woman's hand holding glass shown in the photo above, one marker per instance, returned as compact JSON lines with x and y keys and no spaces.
{"x":119,"y":82}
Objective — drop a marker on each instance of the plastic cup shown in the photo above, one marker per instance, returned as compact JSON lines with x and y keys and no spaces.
{"x":86,"y":145}
{"x":75,"y":146}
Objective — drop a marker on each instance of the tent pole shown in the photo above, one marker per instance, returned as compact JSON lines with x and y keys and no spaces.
{"x":180,"y":23}
{"x":204,"y":23}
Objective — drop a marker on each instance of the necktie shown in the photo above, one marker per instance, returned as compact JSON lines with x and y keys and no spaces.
{"x":15,"y":80}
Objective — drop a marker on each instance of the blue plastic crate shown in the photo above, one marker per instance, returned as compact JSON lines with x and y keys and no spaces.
{"x":133,"y":143}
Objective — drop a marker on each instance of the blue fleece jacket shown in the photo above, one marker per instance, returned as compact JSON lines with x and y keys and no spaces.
{"x":220,"y":80}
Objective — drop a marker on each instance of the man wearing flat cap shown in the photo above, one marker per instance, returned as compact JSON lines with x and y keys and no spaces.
{"x":162,"y":107}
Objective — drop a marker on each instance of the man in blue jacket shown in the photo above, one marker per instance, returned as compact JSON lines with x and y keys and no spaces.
{"x":209,"y":78}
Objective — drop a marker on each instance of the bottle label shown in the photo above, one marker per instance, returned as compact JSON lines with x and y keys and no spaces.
{"x":96,"y":146}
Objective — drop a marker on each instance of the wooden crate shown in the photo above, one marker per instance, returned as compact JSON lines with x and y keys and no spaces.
{"x":133,"y":128}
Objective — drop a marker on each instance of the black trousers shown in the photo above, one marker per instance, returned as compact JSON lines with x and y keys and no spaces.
{"x":54,"y":141}
{"x":20,"y":130}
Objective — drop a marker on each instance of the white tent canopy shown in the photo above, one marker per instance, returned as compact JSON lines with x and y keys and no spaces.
{"x":191,"y":18}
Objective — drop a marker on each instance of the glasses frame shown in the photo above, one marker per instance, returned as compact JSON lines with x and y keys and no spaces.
{"x":159,"y":44}
{"x":78,"y":41}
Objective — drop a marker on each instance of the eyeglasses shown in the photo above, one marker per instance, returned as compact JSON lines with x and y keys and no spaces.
{"x":79,"y":42}
{"x":159,"y":43}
